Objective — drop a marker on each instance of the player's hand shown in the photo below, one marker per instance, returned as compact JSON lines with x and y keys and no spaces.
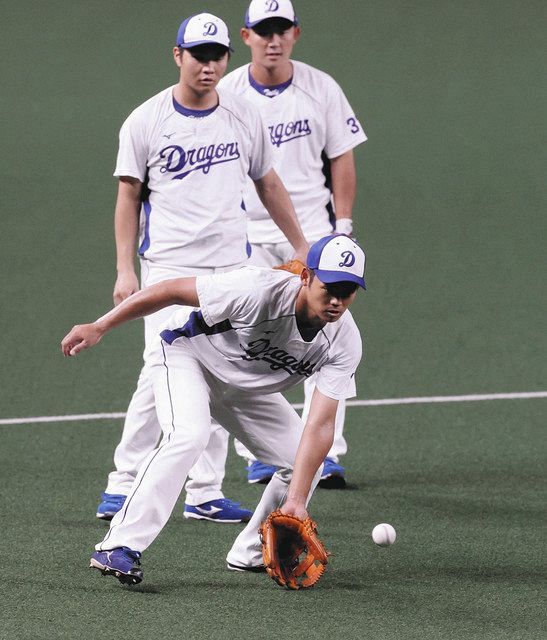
{"x":302,"y":253}
{"x":127,"y":283}
{"x":80,"y":337}
{"x":293,"y":508}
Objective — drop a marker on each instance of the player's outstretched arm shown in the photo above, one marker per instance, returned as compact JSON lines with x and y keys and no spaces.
{"x":314,"y":446}
{"x":178,"y":291}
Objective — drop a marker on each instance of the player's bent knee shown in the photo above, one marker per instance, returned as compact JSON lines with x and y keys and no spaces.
{"x":188,"y":439}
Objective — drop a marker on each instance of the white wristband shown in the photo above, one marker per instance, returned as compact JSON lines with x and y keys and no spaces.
{"x":344,"y":225}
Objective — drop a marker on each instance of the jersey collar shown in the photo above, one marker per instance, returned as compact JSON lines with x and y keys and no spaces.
{"x":268,"y":91}
{"x":193,"y":113}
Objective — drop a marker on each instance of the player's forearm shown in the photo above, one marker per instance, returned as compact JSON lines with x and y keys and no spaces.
{"x":343,"y":185}
{"x":125,"y":234}
{"x":178,"y":291}
{"x":275,"y":198}
{"x":314,"y":446}
{"x":126,"y":223}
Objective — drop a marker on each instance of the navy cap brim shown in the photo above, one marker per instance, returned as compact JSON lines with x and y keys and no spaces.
{"x":191,"y":45}
{"x":331,"y":277}
{"x":250,"y":25}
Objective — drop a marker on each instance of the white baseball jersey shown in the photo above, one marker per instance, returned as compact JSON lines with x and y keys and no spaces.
{"x":246,"y":334}
{"x":305,"y":117}
{"x":195,"y":165}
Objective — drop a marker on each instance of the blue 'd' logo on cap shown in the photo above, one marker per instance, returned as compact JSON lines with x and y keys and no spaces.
{"x":348,"y":259}
{"x":272,"y":5}
{"x":210,"y":29}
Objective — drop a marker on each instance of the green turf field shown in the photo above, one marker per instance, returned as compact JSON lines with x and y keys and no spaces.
{"x":451,"y":209}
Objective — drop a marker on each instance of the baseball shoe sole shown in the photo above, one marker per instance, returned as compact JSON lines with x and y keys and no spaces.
{"x":235,"y":567}
{"x":105,"y":516}
{"x":197,"y":516}
{"x":124,"y":578}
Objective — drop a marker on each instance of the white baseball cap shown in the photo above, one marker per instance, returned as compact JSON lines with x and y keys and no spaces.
{"x":203,"y":28}
{"x":337,"y":258}
{"x":260,"y":10}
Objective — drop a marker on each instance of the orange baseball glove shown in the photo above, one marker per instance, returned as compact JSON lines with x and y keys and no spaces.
{"x":293,"y":554}
{"x":294,"y":266}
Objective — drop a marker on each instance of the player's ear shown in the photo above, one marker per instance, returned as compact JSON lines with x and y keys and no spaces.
{"x":296,"y":33}
{"x":245,"y":35}
{"x":177,"y":55}
{"x":305,"y":277}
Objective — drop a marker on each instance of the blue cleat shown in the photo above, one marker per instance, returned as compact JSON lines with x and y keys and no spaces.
{"x":260,"y":473}
{"x":332,"y":476}
{"x":122,"y":563}
{"x":222,"y":510}
{"x":109,"y":506}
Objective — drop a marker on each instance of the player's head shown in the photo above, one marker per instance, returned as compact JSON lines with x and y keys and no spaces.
{"x":271,"y":31}
{"x":202,"y":41}
{"x":335,"y":269}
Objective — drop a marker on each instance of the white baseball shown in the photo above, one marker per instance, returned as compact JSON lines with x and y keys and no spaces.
{"x":384,"y":534}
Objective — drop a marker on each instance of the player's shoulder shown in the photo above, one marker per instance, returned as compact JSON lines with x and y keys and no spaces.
{"x":259,"y":291}
{"x":264,"y":277}
{"x":238,"y":107}
{"x":312,"y":80}
{"x":345,"y":331}
{"x":263,"y":284}
{"x":349,"y":322}
{"x":237,"y":81}
{"x":154,"y":105}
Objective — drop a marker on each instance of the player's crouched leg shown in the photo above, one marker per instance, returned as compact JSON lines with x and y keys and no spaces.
{"x":271,"y":429}
{"x":149,"y":505}
{"x":182,"y":405}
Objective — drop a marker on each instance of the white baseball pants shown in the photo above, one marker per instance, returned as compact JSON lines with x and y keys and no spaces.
{"x":187,"y":397}
{"x":142,"y":430}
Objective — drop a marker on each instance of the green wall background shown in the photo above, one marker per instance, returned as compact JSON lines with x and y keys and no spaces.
{"x":451,"y":201}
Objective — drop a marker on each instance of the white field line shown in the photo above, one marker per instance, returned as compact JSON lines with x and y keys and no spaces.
{"x":526,"y":395}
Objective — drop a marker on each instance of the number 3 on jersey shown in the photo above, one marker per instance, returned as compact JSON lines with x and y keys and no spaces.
{"x":353,"y":125}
